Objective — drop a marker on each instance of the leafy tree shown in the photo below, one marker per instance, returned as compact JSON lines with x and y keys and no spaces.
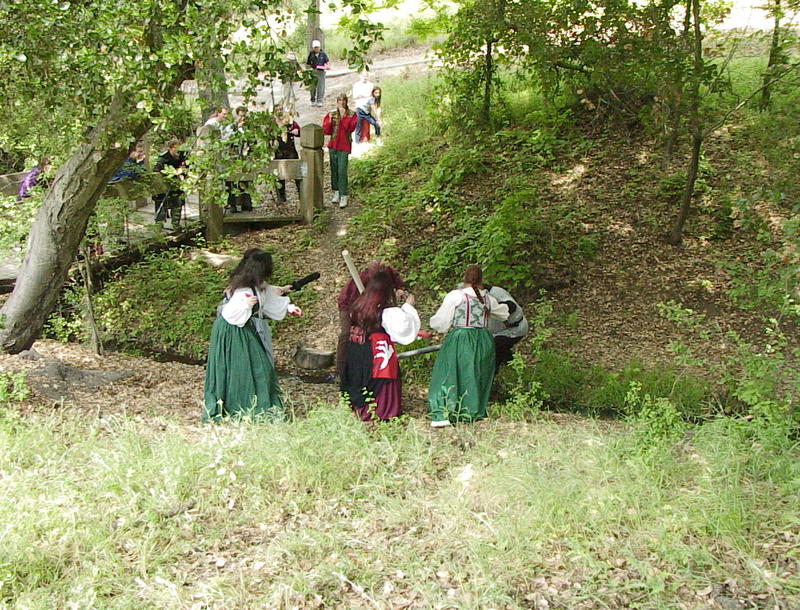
{"x":83,"y":81}
{"x":618,"y":58}
{"x":778,"y":57}
{"x":471,"y":52}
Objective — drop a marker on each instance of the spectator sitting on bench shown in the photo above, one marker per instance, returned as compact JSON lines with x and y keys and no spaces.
{"x":31,"y":179}
{"x":133,"y":167}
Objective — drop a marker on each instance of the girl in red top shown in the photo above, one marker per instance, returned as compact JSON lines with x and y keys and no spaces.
{"x":339,"y":125}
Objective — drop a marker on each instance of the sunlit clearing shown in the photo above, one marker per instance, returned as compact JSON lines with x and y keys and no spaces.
{"x":571,"y":177}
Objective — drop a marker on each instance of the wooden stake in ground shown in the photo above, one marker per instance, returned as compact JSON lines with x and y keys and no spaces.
{"x":94,"y":332}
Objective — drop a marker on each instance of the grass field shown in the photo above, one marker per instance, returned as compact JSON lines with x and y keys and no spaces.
{"x":323,"y":512}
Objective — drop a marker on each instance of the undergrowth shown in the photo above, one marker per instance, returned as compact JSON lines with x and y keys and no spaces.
{"x":426,"y":205}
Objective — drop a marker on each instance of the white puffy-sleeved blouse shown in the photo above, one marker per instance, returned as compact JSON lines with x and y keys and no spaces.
{"x":442,"y":320}
{"x":401,"y":323}
{"x":271,"y":303}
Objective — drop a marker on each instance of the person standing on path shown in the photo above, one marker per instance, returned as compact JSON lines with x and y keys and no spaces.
{"x":289,"y":73}
{"x":462,"y":375}
{"x":288,"y":130}
{"x":239,"y":198}
{"x":173,"y":199}
{"x":339,"y":124}
{"x":318,"y":62}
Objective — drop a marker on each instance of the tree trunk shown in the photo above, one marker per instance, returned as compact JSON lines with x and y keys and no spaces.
{"x":676,"y":234}
{"x":88,"y":286}
{"x":60,"y":223}
{"x":313,"y":30}
{"x":212,"y":87}
{"x":53,"y":241}
{"x":488,"y":70}
{"x":774,"y":57}
{"x":675,"y":97}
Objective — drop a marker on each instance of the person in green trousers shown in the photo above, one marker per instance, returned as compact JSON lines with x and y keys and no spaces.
{"x":464,"y":369}
{"x":240,"y":374}
{"x":339,"y":124}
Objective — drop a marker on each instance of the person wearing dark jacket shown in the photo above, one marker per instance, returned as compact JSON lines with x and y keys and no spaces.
{"x":506,"y":333}
{"x":284,"y":145}
{"x":318,"y":62}
{"x":173,"y":198}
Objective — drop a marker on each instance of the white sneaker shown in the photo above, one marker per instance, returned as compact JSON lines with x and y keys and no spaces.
{"x":335,"y":197}
{"x":440,"y":424}
{"x":343,"y":201}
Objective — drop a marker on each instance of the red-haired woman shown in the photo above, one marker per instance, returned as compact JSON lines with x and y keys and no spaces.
{"x":462,"y":375}
{"x":339,"y":125}
{"x":371,"y":376}
{"x":348,"y":296}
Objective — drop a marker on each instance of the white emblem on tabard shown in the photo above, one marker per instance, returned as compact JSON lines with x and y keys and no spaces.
{"x":384,"y":351}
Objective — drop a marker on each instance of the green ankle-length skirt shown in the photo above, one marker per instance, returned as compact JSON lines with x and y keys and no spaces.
{"x":462,"y":376}
{"x":240,"y":377}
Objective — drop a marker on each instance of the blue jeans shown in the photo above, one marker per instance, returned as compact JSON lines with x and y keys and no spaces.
{"x":366,"y":116}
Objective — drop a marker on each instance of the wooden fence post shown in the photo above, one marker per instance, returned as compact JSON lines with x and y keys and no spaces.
{"x":312,"y":154}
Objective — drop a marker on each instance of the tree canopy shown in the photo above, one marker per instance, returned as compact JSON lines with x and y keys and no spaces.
{"x":83,"y":81}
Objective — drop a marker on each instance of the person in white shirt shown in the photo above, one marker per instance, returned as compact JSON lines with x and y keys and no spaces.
{"x":217,"y":119}
{"x":462,"y":375}
{"x":369,"y":113}
{"x":239,"y":197}
{"x":240,"y":373}
{"x":370,"y":376}
{"x":362,"y":89}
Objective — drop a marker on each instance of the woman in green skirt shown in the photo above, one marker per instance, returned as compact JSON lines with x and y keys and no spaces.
{"x":464,"y":369}
{"x":240,"y":375}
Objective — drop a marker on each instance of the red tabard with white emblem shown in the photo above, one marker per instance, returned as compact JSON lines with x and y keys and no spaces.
{"x":384,"y":357}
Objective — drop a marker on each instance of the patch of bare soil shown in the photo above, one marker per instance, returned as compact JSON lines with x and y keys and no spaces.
{"x":68,"y":377}
{"x":609,"y":313}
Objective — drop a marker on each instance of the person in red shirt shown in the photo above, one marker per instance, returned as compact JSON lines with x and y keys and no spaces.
{"x":339,"y":124}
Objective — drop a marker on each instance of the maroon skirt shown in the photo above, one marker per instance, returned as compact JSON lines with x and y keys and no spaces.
{"x":370,"y":398}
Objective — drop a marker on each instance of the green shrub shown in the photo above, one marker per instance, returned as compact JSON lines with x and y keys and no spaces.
{"x":456,"y":164}
{"x":66,"y":323}
{"x":573,"y":386}
{"x":165,"y":303}
{"x":525,"y":397}
{"x":656,"y":420}
{"x":518,"y":234}
{"x":16,"y":218}
{"x":13,"y":388}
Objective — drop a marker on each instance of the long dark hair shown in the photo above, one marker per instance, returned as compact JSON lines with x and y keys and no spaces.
{"x":336,"y":116}
{"x":379,"y":294}
{"x":473,"y":275}
{"x":254,"y":269}
{"x":377,"y":97}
